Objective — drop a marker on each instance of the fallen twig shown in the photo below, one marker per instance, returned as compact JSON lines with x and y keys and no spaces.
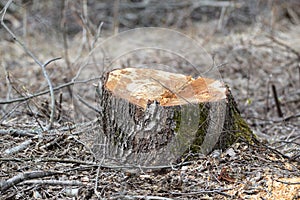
{"x":95,"y":164}
{"x":17,"y":132}
{"x":288,"y":183}
{"x":294,"y":158}
{"x":291,"y":117}
{"x":5,"y":185}
{"x":96,"y":182}
{"x":53,"y":182}
{"x":18,"y":148}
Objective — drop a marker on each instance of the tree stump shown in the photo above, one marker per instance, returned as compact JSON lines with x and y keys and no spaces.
{"x":153,"y":117}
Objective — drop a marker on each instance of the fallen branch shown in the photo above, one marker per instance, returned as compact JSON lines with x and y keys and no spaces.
{"x":291,"y":117}
{"x":53,"y":182}
{"x":171,"y":5}
{"x":94,"y":164}
{"x":5,"y":185}
{"x":294,"y":158}
{"x":17,"y":132}
{"x":96,"y":182}
{"x":18,"y":148}
{"x":288,"y":183}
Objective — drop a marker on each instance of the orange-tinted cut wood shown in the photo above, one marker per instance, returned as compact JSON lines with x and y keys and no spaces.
{"x":141,"y":86}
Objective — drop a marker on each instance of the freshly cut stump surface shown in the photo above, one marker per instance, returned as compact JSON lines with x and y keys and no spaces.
{"x":141,"y":86}
{"x":153,"y":117}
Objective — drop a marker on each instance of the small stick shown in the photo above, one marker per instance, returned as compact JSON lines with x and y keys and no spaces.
{"x":17,"y":132}
{"x":5,"y":185}
{"x":288,"y":183}
{"x":59,"y":106}
{"x":280,"y":114}
{"x":98,"y":33}
{"x":97,"y":179}
{"x":18,"y":148}
{"x":87,"y":104}
{"x":54,"y":182}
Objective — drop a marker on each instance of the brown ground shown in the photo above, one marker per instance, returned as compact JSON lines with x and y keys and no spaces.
{"x":258,"y":55}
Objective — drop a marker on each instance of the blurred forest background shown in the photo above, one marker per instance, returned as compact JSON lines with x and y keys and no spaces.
{"x":259,"y":40}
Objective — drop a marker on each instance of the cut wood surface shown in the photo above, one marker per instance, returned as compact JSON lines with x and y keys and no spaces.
{"x":153,"y":117}
{"x":141,"y":86}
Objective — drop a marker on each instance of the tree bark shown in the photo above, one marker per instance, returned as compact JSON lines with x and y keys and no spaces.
{"x":153,"y":117}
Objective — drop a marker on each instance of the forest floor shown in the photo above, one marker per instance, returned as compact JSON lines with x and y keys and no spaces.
{"x":57,"y":164}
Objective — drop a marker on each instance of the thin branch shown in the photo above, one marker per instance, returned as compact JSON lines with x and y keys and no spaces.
{"x":45,"y":92}
{"x":58,"y":160}
{"x":98,"y":34}
{"x":288,"y":183}
{"x":5,"y":185}
{"x":9,"y":113}
{"x":18,"y":132}
{"x":53,"y":142}
{"x":275,"y":151}
{"x":87,"y":104}
{"x":277,"y":103}
{"x":27,"y":104}
{"x":214,"y":67}
{"x":290,"y":117}
{"x":287,"y":142}
{"x":94,"y":164}
{"x":53,"y":182}
{"x":19,"y":147}
{"x":293,"y":158}
{"x":286,"y":46}
{"x":51,"y":60}
{"x":96,"y":181}
{"x":43,"y":66}
{"x":173,"y":4}
{"x":59,"y":106}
